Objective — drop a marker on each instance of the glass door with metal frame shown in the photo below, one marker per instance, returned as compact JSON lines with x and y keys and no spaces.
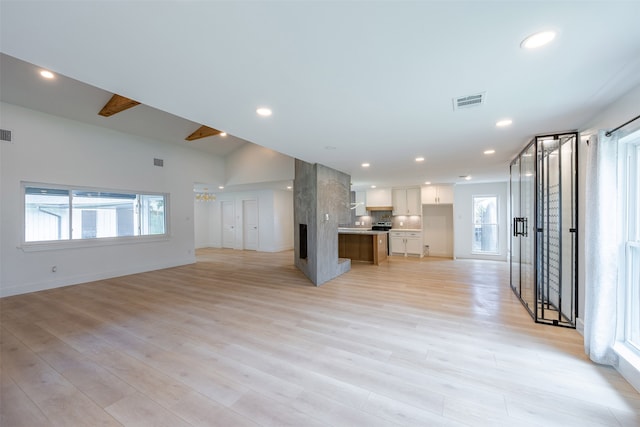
{"x":523,"y":266}
{"x":544,"y":229}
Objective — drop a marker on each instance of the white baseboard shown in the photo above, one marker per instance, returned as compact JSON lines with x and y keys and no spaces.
{"x":85,"y":278}
{"x":580,"y":326}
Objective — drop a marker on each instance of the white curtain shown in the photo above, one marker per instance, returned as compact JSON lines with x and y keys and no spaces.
{"x":601,"y":249}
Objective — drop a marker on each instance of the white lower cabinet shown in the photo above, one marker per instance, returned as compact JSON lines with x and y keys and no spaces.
{"x":398,"y":244}
{"x":406,"y":243}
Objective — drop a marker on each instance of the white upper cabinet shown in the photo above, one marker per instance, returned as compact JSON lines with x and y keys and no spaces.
{"x":414,"y":201}
{"x":407,"y":201}
{"x":437,"y":194}
{"x":378,"y":197}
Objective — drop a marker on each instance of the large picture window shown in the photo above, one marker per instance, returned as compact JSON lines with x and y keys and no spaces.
{"x":485,"y":225}
{"x":53,"y":213}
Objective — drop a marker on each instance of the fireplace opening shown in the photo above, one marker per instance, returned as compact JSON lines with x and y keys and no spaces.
{"x":303,"y":241}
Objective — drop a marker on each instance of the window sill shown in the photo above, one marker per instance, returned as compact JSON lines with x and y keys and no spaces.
{"x":90,"y":243}
{"x":628,"y":364}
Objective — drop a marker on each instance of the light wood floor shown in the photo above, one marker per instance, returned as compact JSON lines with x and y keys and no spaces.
{"x":243,"y":339}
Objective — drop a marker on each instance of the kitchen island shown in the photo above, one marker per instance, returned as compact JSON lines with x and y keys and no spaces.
{"x":359,"y":244}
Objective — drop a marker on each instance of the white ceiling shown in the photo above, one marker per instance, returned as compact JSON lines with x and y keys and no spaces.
{"x":22,"y":85}
{"x":373,"y":81}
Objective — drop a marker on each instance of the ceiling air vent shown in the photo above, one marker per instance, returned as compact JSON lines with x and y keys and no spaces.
{"x":5,"y":135}
{"x":158,"y":162}
{"x":469,"y":101}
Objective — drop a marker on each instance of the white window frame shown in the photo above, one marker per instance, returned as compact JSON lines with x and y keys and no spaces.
{"x":70,"y":242}
{"x":497,"y":224}
{"x":629,"y":206}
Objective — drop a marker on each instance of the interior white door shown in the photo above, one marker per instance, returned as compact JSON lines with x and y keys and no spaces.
{"x":228,"y":225}
{"x":250,"y":224}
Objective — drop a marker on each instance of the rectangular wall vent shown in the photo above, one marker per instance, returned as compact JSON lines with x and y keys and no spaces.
{"x":5,"y":135}
{"x":468,"y":101}
{"x":158,"y":162}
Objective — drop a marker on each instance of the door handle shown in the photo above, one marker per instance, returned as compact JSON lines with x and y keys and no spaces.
{"x":520,"y":227}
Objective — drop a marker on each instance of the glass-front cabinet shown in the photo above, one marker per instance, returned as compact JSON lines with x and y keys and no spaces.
{"x":543,"y":245}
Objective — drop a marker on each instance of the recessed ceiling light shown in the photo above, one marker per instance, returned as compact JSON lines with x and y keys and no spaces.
{"x":489,"y":151}
{"x":427,"y":182}
{"x":419,"y":159}
{"x":47,"y":74}
{"x":221,"y":187}
{"x":289,"y":187}
{"x":373,"y":186}
{"x":504,"y":122}
{"x":223,"y":134}
{"x":468,"y":177}
{"x":365,"y":165}
{"x":264,"y":111}
{"x":538,"y":39}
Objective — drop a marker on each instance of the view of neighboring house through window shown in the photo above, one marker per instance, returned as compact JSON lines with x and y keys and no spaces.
{"x":59,"y":213}
{"x":485,"y":224}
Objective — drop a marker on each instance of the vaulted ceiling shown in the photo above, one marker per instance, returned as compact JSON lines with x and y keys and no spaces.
{"x":348,"y":82}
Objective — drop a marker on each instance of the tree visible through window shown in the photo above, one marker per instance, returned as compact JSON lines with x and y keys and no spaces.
{"x":485,"y":224}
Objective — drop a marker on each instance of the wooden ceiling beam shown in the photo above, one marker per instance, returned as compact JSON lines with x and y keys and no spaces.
{"x":202,"y":132}
{"x":117,"y":104}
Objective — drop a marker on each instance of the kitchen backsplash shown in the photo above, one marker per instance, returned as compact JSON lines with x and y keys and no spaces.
{"x":413,"y":222}
{"x":410,"y":222}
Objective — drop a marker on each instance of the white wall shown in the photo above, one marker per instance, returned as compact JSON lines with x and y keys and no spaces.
{"x":53,"y":150}
{"x":463,"y":218}
{"x":202,"y":223}
{"x":283,"y":220}
{"x":251,"y":164}
{"x":275,"y":220}
{"x":437,"y":229}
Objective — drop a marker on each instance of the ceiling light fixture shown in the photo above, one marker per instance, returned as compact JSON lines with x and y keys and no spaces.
{"x":504,"y":122}
{"x":264,"y":111}
{"x":365,"y":165}
{"x":373,"y":186}
{"x":221,"y":187}
{"x":419,"y":159}
{"x":538,"y":39}
{"x":427,"y":182}
{"x":47,"y":74}
{"x":468,"y":177}
{"x":489,"y":152}
{"x":223,"y":134}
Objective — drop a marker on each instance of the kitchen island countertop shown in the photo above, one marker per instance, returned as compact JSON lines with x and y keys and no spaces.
{"x":343,"y":230}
